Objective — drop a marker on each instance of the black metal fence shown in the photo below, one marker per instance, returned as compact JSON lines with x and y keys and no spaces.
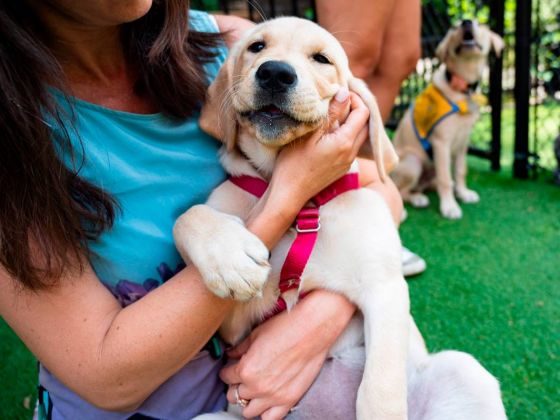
{"x":524,"y":82}
{"x":544,"y":82}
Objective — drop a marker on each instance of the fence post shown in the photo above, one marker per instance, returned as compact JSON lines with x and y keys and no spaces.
{"x":522,"y":87}
{"x":497,"y":10}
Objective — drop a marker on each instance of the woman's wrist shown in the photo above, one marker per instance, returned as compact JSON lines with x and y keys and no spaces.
{"x":328,"y":324}
{"x":271,"y":218}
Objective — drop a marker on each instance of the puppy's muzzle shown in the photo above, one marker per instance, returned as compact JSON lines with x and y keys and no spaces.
{"x":469,"y":40}
{"x":467,"y":26}
{"x":276,"y":77}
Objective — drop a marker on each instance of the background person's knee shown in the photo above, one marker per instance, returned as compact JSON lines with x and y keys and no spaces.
{"x":364,"y":59}
{"x":398,"y":62}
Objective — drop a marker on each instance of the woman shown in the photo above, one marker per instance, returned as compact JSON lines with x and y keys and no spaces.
{"x":100,"y":154}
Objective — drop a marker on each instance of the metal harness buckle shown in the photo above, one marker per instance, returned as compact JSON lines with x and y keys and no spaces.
{"x":309,"y":217}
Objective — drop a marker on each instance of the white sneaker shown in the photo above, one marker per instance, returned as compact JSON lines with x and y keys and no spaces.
{"x":404,"y":215}
{"x":412,"y":264}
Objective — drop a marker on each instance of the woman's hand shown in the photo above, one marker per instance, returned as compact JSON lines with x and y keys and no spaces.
{"x":281,"y":358}
{"x":309,"y":165}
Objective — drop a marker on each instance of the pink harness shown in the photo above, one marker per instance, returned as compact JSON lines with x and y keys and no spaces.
{"x":307,"y":226}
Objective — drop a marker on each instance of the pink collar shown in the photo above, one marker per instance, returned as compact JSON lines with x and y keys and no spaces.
{"x":307,"y":225}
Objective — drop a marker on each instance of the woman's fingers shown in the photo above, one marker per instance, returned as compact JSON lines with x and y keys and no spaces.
{"x":239,"y":350}
{"x":362,"y":136}
{"x":256,"y":408}
{"x":275,"y":413}
{"x":338,"y":108}
{"x":356,"y":121}
{"x":235,"y":390}
{"x":231,"y":374}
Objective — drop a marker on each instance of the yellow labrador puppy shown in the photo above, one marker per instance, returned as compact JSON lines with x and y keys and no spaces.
{"x":276,"y":86}
{"x":434,"y":133}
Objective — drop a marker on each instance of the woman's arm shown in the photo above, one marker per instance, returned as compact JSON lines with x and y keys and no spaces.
{"x":114,"y":357}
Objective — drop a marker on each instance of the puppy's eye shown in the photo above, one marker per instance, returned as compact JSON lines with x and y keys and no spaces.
{"x":256,"y":47}
{"x":320,"y":58}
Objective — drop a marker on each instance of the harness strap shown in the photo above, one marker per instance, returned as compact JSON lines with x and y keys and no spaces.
{"x":307,"y":225}
{"x":251,"y":184}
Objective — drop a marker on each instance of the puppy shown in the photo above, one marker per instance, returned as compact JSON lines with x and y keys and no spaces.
{"x":275,"y":87}
{"x":433,"y":135}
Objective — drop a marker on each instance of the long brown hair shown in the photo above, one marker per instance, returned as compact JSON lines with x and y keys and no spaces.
{"x":47,"y":212}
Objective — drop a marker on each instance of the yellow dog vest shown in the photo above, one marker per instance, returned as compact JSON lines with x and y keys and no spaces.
{"x":431,"y":107}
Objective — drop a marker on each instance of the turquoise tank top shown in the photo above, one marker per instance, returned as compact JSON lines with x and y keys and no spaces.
{"x":156,"y":168}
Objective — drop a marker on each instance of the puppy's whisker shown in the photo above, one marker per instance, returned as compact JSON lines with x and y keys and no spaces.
{"x":258,"y":9}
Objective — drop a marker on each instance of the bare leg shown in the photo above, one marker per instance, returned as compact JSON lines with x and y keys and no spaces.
{"x":381,"y":38}
{"x":399,"y":55}
{"x":360,"y":27}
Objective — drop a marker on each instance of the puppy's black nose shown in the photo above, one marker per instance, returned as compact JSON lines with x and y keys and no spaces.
{"x":467,"y":26}
{"x":276,"y":76}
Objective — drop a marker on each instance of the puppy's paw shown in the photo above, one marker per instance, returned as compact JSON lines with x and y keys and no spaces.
{"x":232,"y":261}
{"x":450,"y":209}
{"x":467,"y":196}
{"x":419,"y":200}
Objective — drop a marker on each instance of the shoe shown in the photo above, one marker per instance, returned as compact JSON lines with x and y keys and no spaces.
{"x":404,"y":215}
{"x":412,"y":264}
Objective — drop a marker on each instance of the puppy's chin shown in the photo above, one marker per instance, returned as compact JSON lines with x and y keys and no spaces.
{"x":276,"y":129}
{"x":469,"y":51}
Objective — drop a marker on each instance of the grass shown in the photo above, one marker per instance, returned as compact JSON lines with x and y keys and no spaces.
{"x":492,"y":289}
{"x":18,"y":377}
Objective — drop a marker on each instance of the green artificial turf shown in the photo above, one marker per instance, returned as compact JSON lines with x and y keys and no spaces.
{"x":18,"y":377}
{"x":492,"y":289}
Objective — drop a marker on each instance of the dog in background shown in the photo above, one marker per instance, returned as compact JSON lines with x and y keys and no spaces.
{"x":276,"y":86}
{"x":433,"y":135}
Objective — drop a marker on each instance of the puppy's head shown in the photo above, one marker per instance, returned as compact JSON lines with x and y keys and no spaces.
{"x":465,"y":49}
{"x":277,"y":83}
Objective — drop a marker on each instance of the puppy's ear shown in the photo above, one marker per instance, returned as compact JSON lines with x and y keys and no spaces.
{"x":217,"y":117}
{"x":443,"y":47}
{"x":497,"y":43}
{"x":383,"y":151}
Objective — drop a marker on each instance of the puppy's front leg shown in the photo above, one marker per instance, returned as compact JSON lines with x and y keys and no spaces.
{"x":383,"y":392}
{"x":442,"y":160}
{"x":463,"y":193}
{"x":232,"y":261}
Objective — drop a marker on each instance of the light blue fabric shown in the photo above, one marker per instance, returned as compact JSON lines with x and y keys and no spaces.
{"x":156,"y":168}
